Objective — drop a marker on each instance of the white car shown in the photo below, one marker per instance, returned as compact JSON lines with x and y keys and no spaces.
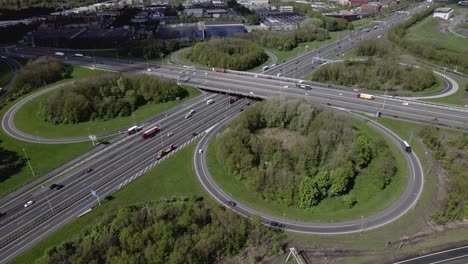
{"x":200,"y":151}
{"x":29,"y":203}
{"x":251,"y":92}
{"x":191,"y":112}
{"x":404,"y":103}
{"x":169,"y":134}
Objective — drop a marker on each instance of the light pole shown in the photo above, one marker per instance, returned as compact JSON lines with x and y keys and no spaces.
{"x":29,"y":163}
{"x":133,"y":115}
{"x":48,"y":201}
{"x":147,"y":65}
{"x":362,"y":223}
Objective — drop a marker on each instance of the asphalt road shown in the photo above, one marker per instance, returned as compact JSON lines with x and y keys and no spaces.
{"x":457,"y":255}
{"x":116,"y":167}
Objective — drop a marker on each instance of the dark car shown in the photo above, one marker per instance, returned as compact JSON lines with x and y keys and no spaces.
{"x":194,"y":134}
{"x":60,"y":186}
{"x":231,"y":203}
{"x":242,"y":109}
{"x":276,"y":224}
{"x":248,"y":103}
{"x":53,"y":186}
{"x":89,"y":170}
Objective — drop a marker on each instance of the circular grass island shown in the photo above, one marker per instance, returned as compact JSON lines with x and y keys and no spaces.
{"x":98,"y":105}
{"x":293,"y":160}
{"x":231,"y":53}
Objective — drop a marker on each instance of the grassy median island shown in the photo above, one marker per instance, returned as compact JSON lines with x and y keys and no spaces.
{"x":347,"y":180}
{"x":29,"y":118}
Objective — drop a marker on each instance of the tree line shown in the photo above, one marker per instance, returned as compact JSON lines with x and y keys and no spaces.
{"x":376,"y":75}
{"x":168,"y":232}
{"x":233,"y":53}
{"x":324,"y":160}
{"x":38,"y":72}
{"x":107,"y":96}
{"x":451,"y":151}
{"x":439,"y":56}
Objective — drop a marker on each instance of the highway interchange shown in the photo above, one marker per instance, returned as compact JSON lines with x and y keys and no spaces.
{"x":129,"y":157}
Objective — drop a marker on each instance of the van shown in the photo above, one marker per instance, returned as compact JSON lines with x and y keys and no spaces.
{"x":209,"y":101}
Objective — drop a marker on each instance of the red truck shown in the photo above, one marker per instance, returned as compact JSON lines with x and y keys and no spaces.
{"x":150,"y":132}
{"x":165,"y":151}
{"x":218,"y":70}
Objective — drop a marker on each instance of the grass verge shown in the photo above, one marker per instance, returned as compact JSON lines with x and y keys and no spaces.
{"x":5,"y":73}
{"x":28,"y":121}
{"x":171,"y":178}
{"x":370,"y":199}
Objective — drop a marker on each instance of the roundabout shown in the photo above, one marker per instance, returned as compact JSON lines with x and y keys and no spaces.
{"x":407,"y":200}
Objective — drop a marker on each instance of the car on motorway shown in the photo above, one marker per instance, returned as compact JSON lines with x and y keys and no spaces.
{"x":242,"y":109}
{"x":404,"y":103}
{"x":53,"y":186}
{"x":188,"y":115}
{"x":169,"y":134}
{"x":200,"y":151}
{"x":248,"y":103}
{"x":194,"y":134}
{"x":59,"y":186}
{"x":28,"y":203}
{"x":89,"y":170}
{"x":231,"y":203}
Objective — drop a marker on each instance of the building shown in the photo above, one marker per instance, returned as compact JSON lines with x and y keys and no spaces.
{"x":194,"y":12}
{"x":370,"y":8}
{"x":443,"y":12}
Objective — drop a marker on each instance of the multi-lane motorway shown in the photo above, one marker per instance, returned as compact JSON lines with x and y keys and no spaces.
{"x":118,"y":164}
{"x":15,"y":67}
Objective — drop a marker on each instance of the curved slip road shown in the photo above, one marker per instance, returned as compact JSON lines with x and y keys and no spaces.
{"x":406,"y":202}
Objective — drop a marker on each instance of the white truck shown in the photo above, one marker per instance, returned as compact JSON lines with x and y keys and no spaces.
{"x":58,"y":53}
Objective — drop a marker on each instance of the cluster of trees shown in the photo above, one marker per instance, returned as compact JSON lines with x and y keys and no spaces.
{"x":289,"y":151}
{"x":107,"y":96}
{"x":373,"y":47}
{"x":152,"y":48}
{"x":451,"y":151}
{"x":376,"y":75}
{"x":397,"y":35}
{"x":10,"y":163}
{"x":233,"y":53}
{"x":36,"y":73}
{"x":287,"y":40}
{"x":167,"y":232}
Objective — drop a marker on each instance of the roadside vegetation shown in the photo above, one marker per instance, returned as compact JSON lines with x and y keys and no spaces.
{"x":451,"y":151}
{"x":288,"y":151}
{"x":232,"y":53}
{"x":107,"y":96}
{"x":151,"y":48}
{"x":380,"y":71}
{"x":177,"y":231}
{"x":433,"y":52}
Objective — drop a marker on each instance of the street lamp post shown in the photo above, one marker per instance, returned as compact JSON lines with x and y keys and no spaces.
{"x":133,"y":115}
{"x":147,"y":65}
{"x":29,"y":163}
{"x":48,"y":201}
{"x":362,"y":223}
{"x":162,"y":141}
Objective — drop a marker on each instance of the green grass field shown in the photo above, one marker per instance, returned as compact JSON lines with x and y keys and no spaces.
{"x":28,"y":121}
{"x":172,"y":178}
{"x":369,"y":199}
{"x":5,"y":73}
{"x":427,"y":32}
